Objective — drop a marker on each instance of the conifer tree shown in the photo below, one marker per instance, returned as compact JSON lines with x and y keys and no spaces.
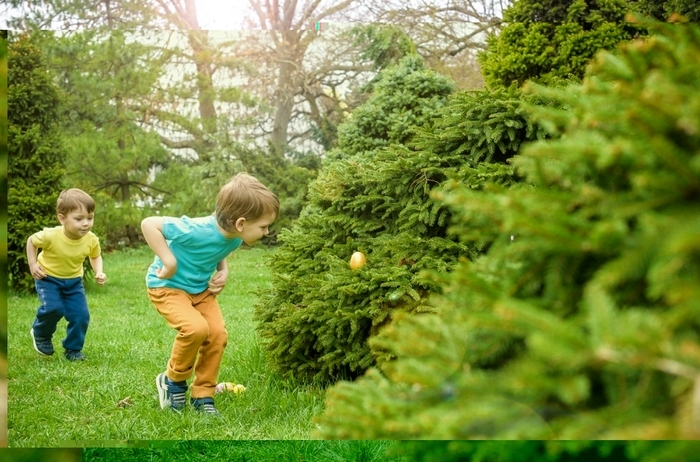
{"x":581,"y":320}
{"x":546,"y":39}
{"x":35,"y":161}
{"x":373,"y":195}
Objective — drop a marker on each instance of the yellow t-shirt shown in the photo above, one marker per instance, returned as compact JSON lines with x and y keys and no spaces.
{"x":62,"y":257}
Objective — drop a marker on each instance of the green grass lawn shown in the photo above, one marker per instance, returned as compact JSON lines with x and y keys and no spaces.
{"x":248,"y":451}
{"x":53,"y":402}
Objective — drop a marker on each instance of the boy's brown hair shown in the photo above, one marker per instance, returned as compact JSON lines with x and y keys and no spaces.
{"x":74,"y":199}
{"x":244,"y":196}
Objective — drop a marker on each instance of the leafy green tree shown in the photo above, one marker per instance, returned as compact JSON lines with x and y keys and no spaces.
{"x":110,"y":155}
{"x":36,"y":153}
{"x":543,"y":40}
{"x":373,"y":195}
{"x":581,"y":320}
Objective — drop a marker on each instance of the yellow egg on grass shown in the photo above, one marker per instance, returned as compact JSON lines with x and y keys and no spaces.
{"x":357,"y":260}
{"x":228,"y":386}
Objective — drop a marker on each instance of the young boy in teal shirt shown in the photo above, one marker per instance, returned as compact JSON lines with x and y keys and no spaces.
{"x":181,"y":286}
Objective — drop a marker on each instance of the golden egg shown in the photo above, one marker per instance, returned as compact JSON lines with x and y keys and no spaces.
{"x":357,"y":260}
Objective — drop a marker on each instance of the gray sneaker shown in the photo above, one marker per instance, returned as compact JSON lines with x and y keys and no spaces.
{"x":205,"y":406}
{"x":171,"y":394}
{"x":42,"y":345}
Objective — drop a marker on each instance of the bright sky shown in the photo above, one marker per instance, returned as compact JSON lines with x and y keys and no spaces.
{"x":221,"y":14}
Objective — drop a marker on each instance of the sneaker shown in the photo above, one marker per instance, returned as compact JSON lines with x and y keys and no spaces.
{"x":42,"y":345}
{"x":74,"y":355}
{"x":205,"y":406}
{"x":171,"y":393}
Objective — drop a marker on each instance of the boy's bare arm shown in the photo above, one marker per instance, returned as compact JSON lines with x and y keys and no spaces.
{"x":96,"y":264}
{"x":222,"y":266}
{"x":152,"y":228}
{"x":34,"y":267}
{"x":218,"y":282}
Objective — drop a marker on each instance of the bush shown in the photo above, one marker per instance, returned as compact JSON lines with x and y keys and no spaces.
{"x":544,"y":40}
{"x":374,"y":196}
{"x":582,"y":319}
{"x":35,"y":162}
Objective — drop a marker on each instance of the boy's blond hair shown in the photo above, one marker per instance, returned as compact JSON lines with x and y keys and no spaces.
{"x":74,"y":199}
{"x":244,"y":196}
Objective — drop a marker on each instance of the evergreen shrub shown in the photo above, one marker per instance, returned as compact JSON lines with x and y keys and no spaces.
{"x":35,"y":160}
{"x":546,"y":39}
{"x":582,"y":320}
{"x":373,"y":195}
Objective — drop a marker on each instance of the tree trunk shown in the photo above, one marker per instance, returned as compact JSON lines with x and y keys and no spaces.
{"x":289,"y":57}
{"x":206,"y":95}
{"x":284,"y":103}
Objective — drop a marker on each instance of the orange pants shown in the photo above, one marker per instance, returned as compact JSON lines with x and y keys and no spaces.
{"x":200,"y":331}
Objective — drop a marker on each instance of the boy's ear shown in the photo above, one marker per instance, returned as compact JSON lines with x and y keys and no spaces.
{"x":239,"y":224}
{"x":61,"y":218}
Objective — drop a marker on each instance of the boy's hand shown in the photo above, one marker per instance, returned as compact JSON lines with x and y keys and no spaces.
{"x":218,"y":282}
{"x":37,"y":271}
{"x":101,"y":278}
{"x":166,"y":271}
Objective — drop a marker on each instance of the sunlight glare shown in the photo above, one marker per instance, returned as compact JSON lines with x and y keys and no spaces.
{"x":221,"y":14}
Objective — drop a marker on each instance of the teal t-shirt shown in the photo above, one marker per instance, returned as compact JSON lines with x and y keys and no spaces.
{"x":198,"y":246}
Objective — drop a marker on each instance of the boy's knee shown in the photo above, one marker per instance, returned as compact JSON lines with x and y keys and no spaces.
{"x":78,"y":317}
{"x":218,"y":335}
{"x":197,"y":331}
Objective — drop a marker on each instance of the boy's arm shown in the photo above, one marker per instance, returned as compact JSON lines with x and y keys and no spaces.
{"x":218,"y":282}
{"x":152,"y":228}
{"x":34,"y":267}
{"x":96,"y":264}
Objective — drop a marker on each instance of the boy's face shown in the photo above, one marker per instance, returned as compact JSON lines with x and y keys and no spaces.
{"x":76,"y":223}
{"x":252,"y":231}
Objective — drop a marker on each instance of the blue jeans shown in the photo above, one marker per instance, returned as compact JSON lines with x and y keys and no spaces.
{"x":62,"y":298}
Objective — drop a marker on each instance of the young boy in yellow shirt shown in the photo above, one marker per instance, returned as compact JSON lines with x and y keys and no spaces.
{"x":58,"y":273}
{"x":181,"y":286}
